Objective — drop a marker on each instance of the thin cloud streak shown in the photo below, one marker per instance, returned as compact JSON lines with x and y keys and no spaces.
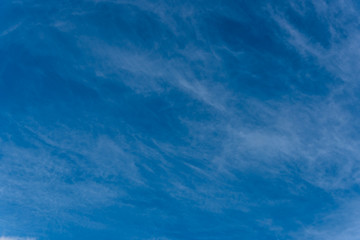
{"x":16,"y":238}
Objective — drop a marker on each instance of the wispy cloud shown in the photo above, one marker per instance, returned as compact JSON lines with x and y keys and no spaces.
{"x":177,"y":114}
{"x":9,"y":30}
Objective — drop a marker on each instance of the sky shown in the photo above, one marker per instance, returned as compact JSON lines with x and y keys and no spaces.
{"x":163,"y":119}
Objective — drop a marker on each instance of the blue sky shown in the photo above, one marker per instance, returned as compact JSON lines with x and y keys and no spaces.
{"x":164,"y":120}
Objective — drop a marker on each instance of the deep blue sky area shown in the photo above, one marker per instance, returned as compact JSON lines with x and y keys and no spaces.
{"x":179,"y":120}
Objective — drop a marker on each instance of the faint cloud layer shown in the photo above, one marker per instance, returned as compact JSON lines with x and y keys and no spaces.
{"x":16,"y":238}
